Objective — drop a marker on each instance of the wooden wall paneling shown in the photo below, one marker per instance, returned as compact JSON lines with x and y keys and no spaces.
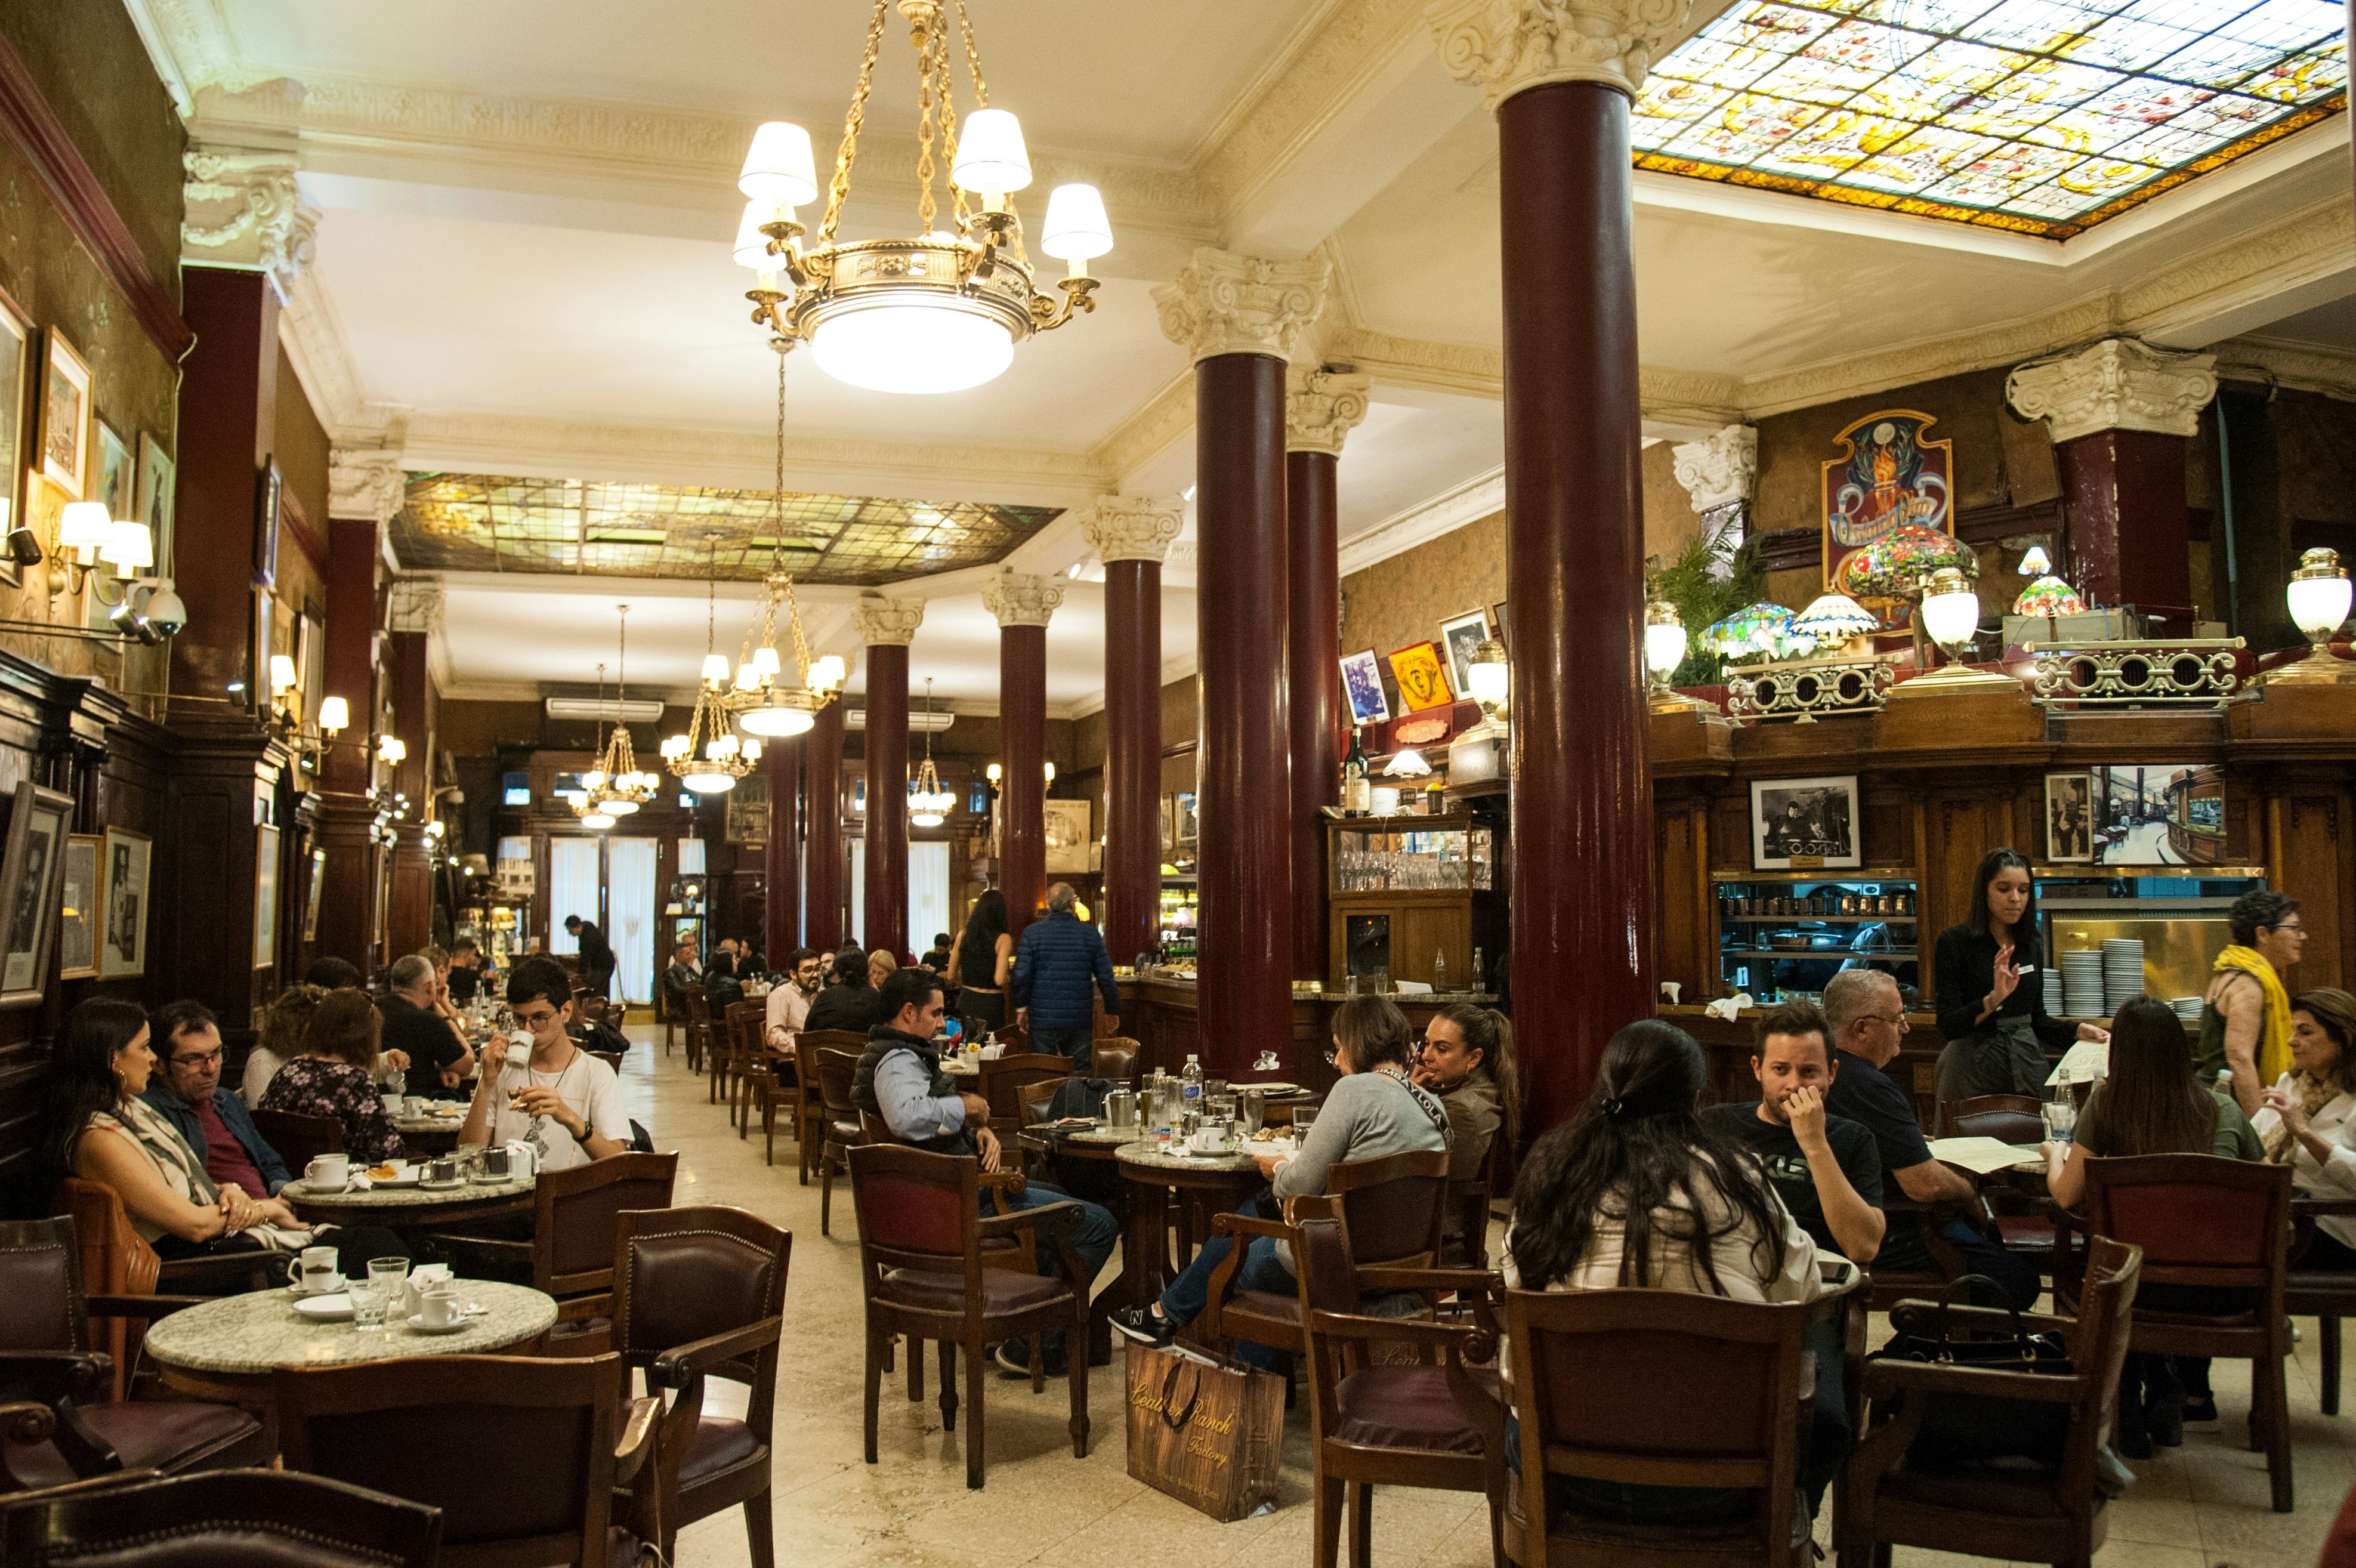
{"x":201,"y":893}
{"x":2318,"y":869}
{"x":1686,"y":928}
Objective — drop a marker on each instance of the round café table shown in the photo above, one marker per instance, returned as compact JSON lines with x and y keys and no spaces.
{"x":1212,"y":1183}
{"x":408,"y":1207}
{"x":225,"y":1350}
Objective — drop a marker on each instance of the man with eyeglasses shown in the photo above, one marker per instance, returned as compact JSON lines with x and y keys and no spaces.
{"x":2245,"y":1013}
{"x":551,"y":1094}
{"x":189,"y":1092}
{"x":1867,"y":1015}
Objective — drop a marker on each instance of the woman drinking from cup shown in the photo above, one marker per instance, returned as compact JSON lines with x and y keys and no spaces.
{"x":1991,"y":994}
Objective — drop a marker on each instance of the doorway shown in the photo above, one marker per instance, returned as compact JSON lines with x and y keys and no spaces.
{"x":611,"y":881}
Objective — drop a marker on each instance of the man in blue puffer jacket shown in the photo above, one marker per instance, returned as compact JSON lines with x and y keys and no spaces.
{"x":1054,"y":963}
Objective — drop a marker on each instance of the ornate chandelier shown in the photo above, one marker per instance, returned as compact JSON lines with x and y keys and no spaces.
{"x":939,"y":312}
{"x":615,"y":786}
{"x":929,"y":803}
{"x":758,"y":701}
{"x":709,"y":758}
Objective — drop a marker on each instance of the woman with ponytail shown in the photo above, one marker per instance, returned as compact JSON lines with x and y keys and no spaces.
{"x":1467,"y":1058}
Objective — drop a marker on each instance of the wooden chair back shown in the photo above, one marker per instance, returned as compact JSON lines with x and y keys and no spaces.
{"x":1035,"y":1098}
{"x":579,"y":1213}
{"x":214,"y":1518}
{"x":1394,"y":1207}
{"x":115,"y":1260}
{"x":534,"y":1483}
{"x":916,"y":1211}
{"x":2007,"y":1118}
{"x":299,"y":1139}
{"x":1002,"y":1080}
{"x":832,"y":1040}
{"x":836,"y":1069}
{"x":2200,"y":1219}
{"x":611,"y":1058}
{"x":699,"y":1005}
{"x":1468,"y":1205}
{"x":1658,"y":1388}
{"x":1114,"y":1058}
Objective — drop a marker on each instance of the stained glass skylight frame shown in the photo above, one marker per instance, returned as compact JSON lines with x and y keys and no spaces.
{"x":2039,"y":117}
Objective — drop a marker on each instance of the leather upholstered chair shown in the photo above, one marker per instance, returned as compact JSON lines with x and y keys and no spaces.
{"x":811,"y":1119}
{"x":45,"y":1358}
{"x":1114,"y":1058}
{"x":2007,"y":1118}
{"x":1003,"y":1079}
{"x":218,"y":1518}
{"x":924,"y":1274}
{"x":522,"y":1453}
{"x":835,"y":1071}
{"x":577,"y":1215}
{"x":699,"y":1293}
{"x":117,"y":1262}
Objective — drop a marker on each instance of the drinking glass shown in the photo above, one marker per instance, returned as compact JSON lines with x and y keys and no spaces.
{"x":1222,"y":1107}
{"x":367,"y":1305}
{"x":390,"y":1275}
{"x":1303,"y":1120}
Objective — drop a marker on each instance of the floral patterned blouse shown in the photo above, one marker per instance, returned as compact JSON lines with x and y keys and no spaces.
{"x":314,"y":1086}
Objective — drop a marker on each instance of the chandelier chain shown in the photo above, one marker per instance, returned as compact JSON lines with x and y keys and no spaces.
{"x":948,"y":125}
{"x":972,"y":58}
{"x":926,"y":43}
{"x":840,"y":187}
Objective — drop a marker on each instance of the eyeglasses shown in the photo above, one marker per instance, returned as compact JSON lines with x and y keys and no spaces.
{"x":209,"y":1059}
{"x":537,"y":1017}
{"x":1895,"y":1020}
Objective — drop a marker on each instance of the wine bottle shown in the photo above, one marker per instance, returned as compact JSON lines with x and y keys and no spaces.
{"x":1357,"y":795}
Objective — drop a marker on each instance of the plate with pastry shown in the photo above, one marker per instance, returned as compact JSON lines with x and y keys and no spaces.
{"x":394,"y":1173}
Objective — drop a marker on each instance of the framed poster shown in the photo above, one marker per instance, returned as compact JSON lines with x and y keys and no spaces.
{"x":1189,"y":826}
{"x":311,"y":894}
{"x":267,"y":505}
{"x":157,"y":476}
{"x":1070,"y":828}
{"x":65,"y":414}
{"x":1889,"y":477}
{"x":265,"y":895}
{"x":1462,"y":635}
{"x":2070,"y":818}
{"x":1422,"y":678}
{"x":1799,"y":824}
{"x":1361,"y":681}
{"x":30,"y":873}
{"x":78,"y":908}
{"x":117,"y":475}
{"x":122,"y":904}
{"x":748,"y":809}
{"x":15,"y":356}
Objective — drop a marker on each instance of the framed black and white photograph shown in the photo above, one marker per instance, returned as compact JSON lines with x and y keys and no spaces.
{"x":2070,"y":819}
{"x":265,"y":895}
{"x":16,"y":373}
{"x":157,"y":475}
{"x":122,"y":904}
{"x":1461,"y":636}
{"x":268,"y":509}
{"x":1362,"y":682}
{"x":1802,"y":824}
{"x":78,"y":908}
{"x":29,"y":875}
{"x":1189,"y":826}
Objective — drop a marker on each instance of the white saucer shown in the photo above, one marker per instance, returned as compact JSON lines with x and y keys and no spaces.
{"x":335,"y":1308}
{"x":302,"y":1185}
{"x":410,"y":1178}
{"x":417,"y":1325}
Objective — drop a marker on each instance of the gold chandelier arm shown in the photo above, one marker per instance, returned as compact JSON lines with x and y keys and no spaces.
{"x":851,"y":121}
{"x":801,"y":644}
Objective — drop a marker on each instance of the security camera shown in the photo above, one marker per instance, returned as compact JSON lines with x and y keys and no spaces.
{"x":164,"y":611}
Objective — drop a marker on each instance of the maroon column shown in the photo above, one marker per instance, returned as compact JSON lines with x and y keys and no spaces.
{"x":1314,"y":660}
{"x":2124,"y":524}
{"x":228,"y":402}
{"x":1245,"y":865}
{"x":1581,"y":856}
{"x":1023,"y":747}
{"x":887,"y":798}
{"x":348,"y":891}
{"x":409,"y":917}
{"x":781,"y":764}
{"x":822,"y":766}
{"x":1132,"y":856}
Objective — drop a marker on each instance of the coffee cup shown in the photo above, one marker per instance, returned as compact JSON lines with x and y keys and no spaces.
{"x":327,"y":1173}
{"x":415,"y":1105}
{"x":438,"y":1308}
{"x":520,"y":1053}
{"x":313,"y":1271}
{"x":1209,"y":1140}
{"x":393,"y":1103}
{"x":442,"y":1171}
{"x":495,"y":1165}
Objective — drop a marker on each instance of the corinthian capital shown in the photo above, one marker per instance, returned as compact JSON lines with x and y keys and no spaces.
{"x":1320,"y":409}
{"x":243,"y":210}
{"x":1221,"y":303}
{"x":1506,"y":47}
{"x":1019,"y":600}
{"x":887,"y":623}
{"x":1718,"y":470}
{"x":1133,"y":528}
{"x":365,"y":485}
{"x":2116,"y":385}
{"x":416,"y":605}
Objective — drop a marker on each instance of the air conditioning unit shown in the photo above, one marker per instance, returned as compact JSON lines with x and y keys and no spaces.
{"x":637,"y":711}
{"x":921,"y":721}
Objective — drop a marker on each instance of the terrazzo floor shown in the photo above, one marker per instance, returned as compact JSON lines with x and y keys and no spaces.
{"x":2203,"y":1506}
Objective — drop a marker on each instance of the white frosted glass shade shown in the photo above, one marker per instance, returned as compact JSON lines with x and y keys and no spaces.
{"x":2034,"y":563}
{"x":778,"y":170}
{"x":710,"y":783}
{"x":597,"y":820}
{"x":765,"y":660}
{"x":1489,"y":682}
{"x":915,"y":349}
{"x":2318,"y":605}
{"x":776,"y":722}
{"x":715,"y":669}
{"x":1665,"y":648}
{"x":827,"y":673}
{"x":282,"y":673}
{"x":991,"y":156}
{"x":1950,"y":618}
{"x":1077,"y":227}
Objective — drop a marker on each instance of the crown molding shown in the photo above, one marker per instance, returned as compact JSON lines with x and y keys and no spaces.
{"x":2301,"y":367}
{"x":1445,"y":514}
{"x":1145,"y":435}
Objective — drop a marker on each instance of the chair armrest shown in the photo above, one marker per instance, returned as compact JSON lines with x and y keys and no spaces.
{"x":2302,"y":1208}
{"x":639,"y":1424}
{"x":1478,"y":1343}
{"x":1382,"y":1276}
{"x":1246,"y":1225}
{"x":674,"y":1367}
{"x":147,"y":1308}
{"x":1885,"y":1378}
{"x":1055,"y":1214}
{"x":50,"y":1376}
{"x":1987,"y":1316}
{"x":1239,"y":1229}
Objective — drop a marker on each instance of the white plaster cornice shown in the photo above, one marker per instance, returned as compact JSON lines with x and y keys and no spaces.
{"x":1133,"y":528}
{"x":887,"y":622}
{"x":1720,"y":468}
{"x":1221,"y":303}
{"x":241,"y":209}
{"x":1468,"y":502}
{"x":416,"y":606}
{"x":2302,"y":367}
{"x":1320,"y":409}
{"x":1507,"y":47}
{"x":2115,"y":384}
{"x":1021,"y":598}
{"x":1163,"y":418}
{"x":365,"y":486}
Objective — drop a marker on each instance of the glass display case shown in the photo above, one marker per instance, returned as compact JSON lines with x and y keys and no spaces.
{"x":1413,"y":898}
{"x":2180,"y":914}
{"x":1380,"y":854}
{"x":1783,"y":934}
{"x":1174,"y":932}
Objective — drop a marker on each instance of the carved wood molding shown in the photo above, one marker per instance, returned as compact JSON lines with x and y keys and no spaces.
{"x":35,"y":131}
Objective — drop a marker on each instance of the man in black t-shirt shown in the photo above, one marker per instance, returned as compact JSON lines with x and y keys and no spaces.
{"x":1868,"y":1019}
{"x":438,"y":1059}
{"x":1824,"y":1168}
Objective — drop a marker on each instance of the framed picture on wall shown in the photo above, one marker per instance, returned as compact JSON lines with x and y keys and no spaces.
{"x":268,"y":500}
{"x":1189,"y":826}
{"x":748,"y":809}
{"x":1070,"y":828}
{"x":311,"y":894}
{"x":78,"y":908}
{"x":2070,"y":819}
{"x":15,"y":356}
{"x":157,"y":476}
{"x":1462,"y":636}
{"x":1422,"y":678}
{"x":1169,"y":825}
{"x":265,"y":895}
{"x":30,"y":874}
{"x":1497,"y":614}
{"x":1362,"y":680}
{"x":122,"y":904}
{"x":1799,"y":824}
{"x":65,"y":414}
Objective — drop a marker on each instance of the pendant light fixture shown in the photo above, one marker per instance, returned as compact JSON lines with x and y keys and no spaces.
{"x":929,"y":803}
{"x":709,"y":758}
{"x":615,"y":786}
{"x":760,"y":704}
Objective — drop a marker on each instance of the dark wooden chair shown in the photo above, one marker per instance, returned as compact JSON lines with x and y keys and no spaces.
{"x":736,"y":1037}
{"x":1436,"y":1423}
{"x":1662,"y":1389}
{"x":2007,"y":1118}
{"x":1003,"y":1080}
{"x":2049,"y":1512}
{"x":522,"y":1453}
{"x":758,"y":1083}
{"x":920,"y":1244}
{"x":811,"y":1125}
{"x":45,"y":1360}
{"x":576,"y":1217}
{"x":699,"y":1293}
{"x":1114,"y":1058}
{"x":300,"y":1139}
{"x":613,"y":1060}
{"x":835,"y":1071}
{"x":118,"y":1263}
{"x":1396,"y":1209}
{"x":2202,"y":1221}
{"x":1466,"y":1241}
{"x":2325,"y":1295}
{"x":699,"y":1028}
{"x":219,"y":1518}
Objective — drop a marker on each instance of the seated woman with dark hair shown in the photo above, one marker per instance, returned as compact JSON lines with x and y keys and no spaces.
{"x":334,"y":1075}
{"x":98,"y":1129}
{"x":2309,"y":1120}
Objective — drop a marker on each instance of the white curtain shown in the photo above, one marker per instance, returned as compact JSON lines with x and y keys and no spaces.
{"x":572,"y":884}
{"x":630,"y":906}
{"x":858,"y":885}
{"x":690,"y":857}
{"x":928,"y":892}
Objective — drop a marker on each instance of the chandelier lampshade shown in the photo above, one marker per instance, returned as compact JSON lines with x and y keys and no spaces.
{"x":778,"y":168}
{"x":929,"y":803}
{"x":760,"y":700}
{"x":709,"y":758}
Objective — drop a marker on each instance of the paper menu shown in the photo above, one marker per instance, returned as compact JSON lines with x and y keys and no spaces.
{"x":1983,"y":1156}
{"x":2088,"y":1061}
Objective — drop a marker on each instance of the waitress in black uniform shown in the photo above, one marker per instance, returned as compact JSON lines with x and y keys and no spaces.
{"x":1991,"y":991}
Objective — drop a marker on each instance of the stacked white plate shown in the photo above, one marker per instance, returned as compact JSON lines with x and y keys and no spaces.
{"x":2081,"y":983}
{"x":2122,"y":971}
{"x":2053,"y":999}
{"x":2186,"y":1008}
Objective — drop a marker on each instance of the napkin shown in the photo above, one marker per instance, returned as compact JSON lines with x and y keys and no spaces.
{"x":1726,"y":1007}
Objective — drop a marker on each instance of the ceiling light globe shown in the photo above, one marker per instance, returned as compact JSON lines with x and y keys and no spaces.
{"x":990,"y":157}
{"x":710,"y":783}
{"x":1077,"y":229}
{"x":775,"y":723}
{"x":597,"y":820}
{"x":941,"y":346}
{"x":924,"y":819}
{"x":778,"y":168}
{"x":618,"y":808}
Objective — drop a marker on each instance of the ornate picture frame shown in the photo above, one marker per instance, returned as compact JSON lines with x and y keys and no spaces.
{"x":122,"y":902}
{"x":65,"y":414}
{"x":31,"y":872}
{"x":1802,"y":824}
{"x":78,"y":907}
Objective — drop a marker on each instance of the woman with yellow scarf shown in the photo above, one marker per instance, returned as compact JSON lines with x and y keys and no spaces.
{"x":2246,"y":1014}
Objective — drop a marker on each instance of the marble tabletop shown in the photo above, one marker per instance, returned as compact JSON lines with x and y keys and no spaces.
{"x":410,"y":1197}
{"x":255,"y":1334}
{"x":431,"y":1123}
{"x":1145,"y":1156}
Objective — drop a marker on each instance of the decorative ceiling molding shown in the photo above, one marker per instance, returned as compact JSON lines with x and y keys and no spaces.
{"x":313,"y":336}
{"x":1020,"y":598}
{"x":1221,"y":303}
{"x":241,"y":209}
{"x":1320,"y":409}
{"x":1718,"y":470}
{"x":887,"y":622}
{"x":1468,"y":502}
{"x":365,"y":486}
{"x":2301,"y":367}
{"x":1507,"y":47}
{"x":1160,"y":420}
{"x":1133,"y":528}
{"x":2115,"y":384}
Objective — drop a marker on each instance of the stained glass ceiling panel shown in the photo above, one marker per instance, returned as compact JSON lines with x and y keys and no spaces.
{"x":485,"y":523}
{"x":2038,"y":116}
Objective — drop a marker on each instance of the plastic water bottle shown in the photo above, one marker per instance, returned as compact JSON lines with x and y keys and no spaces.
{"x":1189,"y":1087}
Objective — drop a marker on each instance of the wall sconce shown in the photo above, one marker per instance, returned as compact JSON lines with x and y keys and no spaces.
{"x":392,"y":748}
{"x":335,"y":715}
{"x":83,"y":529}
{"x":2319,"y":594}
{"x":993,"y":773}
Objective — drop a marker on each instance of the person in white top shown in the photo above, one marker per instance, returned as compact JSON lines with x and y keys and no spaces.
{"x":788,"y":1004}
{"x":561,"y":1101}
{"x":2309,"y":1117}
